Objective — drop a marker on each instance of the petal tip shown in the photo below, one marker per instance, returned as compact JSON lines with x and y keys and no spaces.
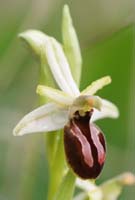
{"x":116,"y":112}
{"x":109,"y":79}
{"x":16,"y":132}
{"x":66,"y":8}
{"x":25,"y":34}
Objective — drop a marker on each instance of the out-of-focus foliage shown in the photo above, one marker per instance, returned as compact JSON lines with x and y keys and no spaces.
{"x":107,"y":36}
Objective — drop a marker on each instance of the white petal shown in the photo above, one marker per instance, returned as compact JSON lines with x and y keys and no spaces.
{"x":64,"y":66}
{"x":55,"y":95}
{"x":108,"y":109}
{"x":96,"y":85}
{"x":46,"y":118}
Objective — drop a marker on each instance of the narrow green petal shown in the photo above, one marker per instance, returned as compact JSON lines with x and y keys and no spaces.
{"x":96,"y":85}
{"x":71,"y":45}
{"x":55,"y":95}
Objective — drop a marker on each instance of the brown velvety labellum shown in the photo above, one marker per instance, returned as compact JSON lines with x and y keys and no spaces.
{"x":85,"y":147}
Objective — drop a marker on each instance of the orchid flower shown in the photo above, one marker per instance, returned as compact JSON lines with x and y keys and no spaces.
{"x":66,"y":100}
{"x":74,"y":111}
{"x":63,"y":103}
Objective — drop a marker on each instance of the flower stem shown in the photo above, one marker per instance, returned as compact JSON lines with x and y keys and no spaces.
{"x":56,"y":167}
{"x":53,"y":141}
{"x":67,"y":187}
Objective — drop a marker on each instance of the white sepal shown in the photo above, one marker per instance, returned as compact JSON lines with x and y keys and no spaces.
{"x":48,"y":47}
{"x":48,"y":117}
{"x":55,"y":95}
{"x":64,"y":66}
{"x":35,"y":39}
{"x":96,"y":85}
{"x":108,"y":110}
{"x":55,"y":68}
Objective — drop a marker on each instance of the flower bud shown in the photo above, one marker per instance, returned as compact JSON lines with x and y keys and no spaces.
{"x":85,"y":147}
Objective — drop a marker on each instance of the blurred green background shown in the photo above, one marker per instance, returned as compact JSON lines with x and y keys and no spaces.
{"x":107,"y":37}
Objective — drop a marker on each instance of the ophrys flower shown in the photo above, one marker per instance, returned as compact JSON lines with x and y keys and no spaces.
{"x":65,"y":102}
{"x":71,"y":109}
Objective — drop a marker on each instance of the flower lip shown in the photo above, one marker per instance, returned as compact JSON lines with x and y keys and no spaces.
{"x":84,"y":146}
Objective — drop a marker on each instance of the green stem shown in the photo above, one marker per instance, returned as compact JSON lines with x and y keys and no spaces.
{"x":53,"y":141}
{"x":66,"y":189}
{"x":57,"y":167}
